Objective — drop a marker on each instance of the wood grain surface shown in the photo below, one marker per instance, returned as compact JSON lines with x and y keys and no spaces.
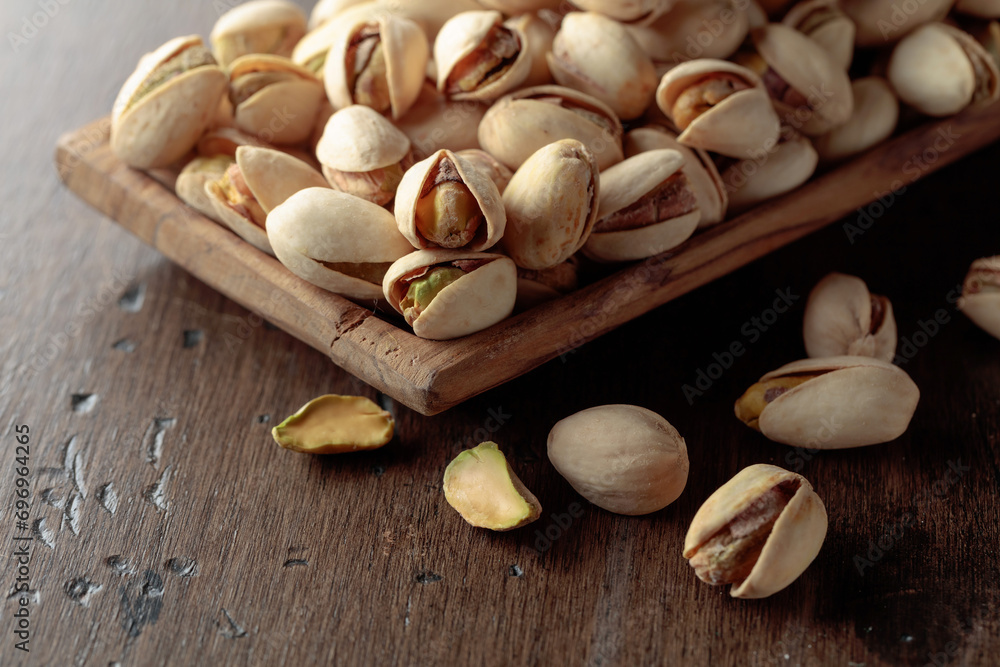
{"x":170,"y":530}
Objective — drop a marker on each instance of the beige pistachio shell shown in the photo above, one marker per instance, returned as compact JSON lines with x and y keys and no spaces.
{"x":795,"y":538}
{"x":741,"y":125}
{"x":280,"y":113}
{"x":875,"y":116}
{"x":984,"y":9}
{"x":190,"y":186}
{"x":435,"y":122}
{"x":521,"y":123}
{"x":824,"y":22}
{"x":474,"y":302}
{"x":326,"y":10}
{"x":596,"y":55}
{"x":551,"y":205}
{"x":788,"y":165}
{"x":642,"y":12}
{"x":538,"y":35}
{"x":159,"y":127}
{"x":516,"y":7}
{"x":881,"y":22}
{"x":431,"y":15}
{"x":359,"y":139}
{"x":488,"y":165}
{"x":464,"y":36}
{"x":225,"y":141}
{"x":312,"y":50}
{"x":981,"y":295}
{"x":258,"y":27}
{"x":844,"y":318}
{"x":694,"y":29}
{"x":319,"y":227}
{"x":756,"y":16}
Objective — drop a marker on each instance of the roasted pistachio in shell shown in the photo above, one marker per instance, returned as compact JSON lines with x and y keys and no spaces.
{"x":831,"y":403}
{"x":875,"y":116}
{"x":190,"y":186}
{"x":481,"y":486}
{"x":488,"y":165}
{"x":759,"y":532}
{"x":435,"y":122}
{"x":844,"y":318}
{"x":551,"y":204}
{"x":480,"y":58}
{"x":824,"y":22}
{"x":881,"y":22}
{"x":538,"y":35}
{"x":788,"y":164}
{"x":258,"y":27}
{"x":326,"y":10}
{"x":693,"y":29}
{"x":641,"y":12}
{"x":336,"y":241}
{"x":274,"y":99}
{"x":335,"y":424}
{"x":981,"y":295}
{"x":446,"y":294}
{"x":166,"y":104}
{"x":431,"y":15}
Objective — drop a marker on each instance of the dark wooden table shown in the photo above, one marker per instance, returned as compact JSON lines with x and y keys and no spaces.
{"x":169,"y":529}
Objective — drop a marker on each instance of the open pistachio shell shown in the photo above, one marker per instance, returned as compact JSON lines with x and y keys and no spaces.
{"x":831,"y":403}
{"x":984,"y":9}
{"x":479,"y":58}
{"x":824,"y":22}
{"x":446,"y":294}
{"x":431,"y":15}
{"x":334,"y":424}
{"x":166,"y":104}
{"x":190,"y":186}
{"x":694,"y":29}
{"x":641,"y":12}
{"x":274,"y":99}
{"x":875,"y":116}
{"x":336,"y":241}
{"x":539,"y":35}
{"x":981,"y":295}
{"x":756,"y":16}
{"x":784,"y":168}
{"x":488,"y":165}
{"x":326,"y":10}
{"x":759,"y":531}
{"x":521,"y":123}
{"x":312,"y":50}
{"x":435,"y":122}
{"x":258,"y":27}
{"x":844,"y":318}
{"x":881,"y":22}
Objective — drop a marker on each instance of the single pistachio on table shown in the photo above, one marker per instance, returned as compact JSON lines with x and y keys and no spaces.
{"x":481,"y":486}
{"x":363,"y":154}
{"x":875,"y":116}
{"x":537,"y":287}
{"x":980,"y":299}
{"x":940,"y":70}
{"x":719,"y":106}
{"x":552,"y":205}
{"x":518,"y":125}
{"x":488,"y":165}
{"x":759,"y":532}
{"x":190,"y":186}
{"x":335,"y":424}
{"x":881,"y":22}
{"x":274,"y":99}
{"x":843,"y":318}
{"x":325,"y":11}
{"x":674,"y":37}
{"x":831,"y":403}
{"x":446,"y":294}
{"x":639,"y":12}
{"x":539,"y":35}
{"x":824,"y":22}
{"x":336,"y":241}
{"x":166,"y":104}
{"x":258,"y":27}
{"x":435,"y":122}
{"x":984,"y":9}
{"x":480,"y":58}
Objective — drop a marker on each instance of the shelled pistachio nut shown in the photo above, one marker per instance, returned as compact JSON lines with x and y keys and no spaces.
{"x":596,"y":55}
{"x":759,"y":532}
{"x":984,"y":9}
{"x":790,"y":163}
{"x":379,"y":62}
{"x":166,"y":104}
{"x":445,"y":202}
{"x":258,"y":27}
{"x":335,"y":424}
{"x":551,"y":204}
{"x":481,"y":486}
{"x":844,"y":318}
{"x":719,"y":106}
{"x":981,"y":295}
{"x":336,"y":241}
{"x":939,"y":70}
{"x":326,"y":10}
{"x":640,"y":12}
{"x":693,"y":29}
{"x":539,"y":35}
{"x":363,"y":154}
{"x":446,"y":294}
{"x":190,"y":186}
{"x":274,"y":99}
{"x":435,"y":122}
{"x":647,"y":206}
{"x":479,"y":58}
{"x":831,"y":403}
{"x":488,"y":165}
{"x":537,"y":287}
{"x":824,"y":22}
{"x":881,"y":22}
{"x":875,"y":116}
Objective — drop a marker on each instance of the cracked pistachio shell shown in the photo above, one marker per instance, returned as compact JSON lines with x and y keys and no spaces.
{"x":435,"y":122}
{"x":984,"y":9}
{"x":539,"y":35}
{"x":824,"y":22}
{"x":318,"y":232}
{"x":335,"y":424}
{"x":419,"y":179}
{"x":158,"y":117}
{"x":475,"y":301}
{"x":190,"y":186}
{"x":851,"y":402}
{"x":597,"y":55}
{"x":431,"y":15}
{"x":640,"y":12}
{"x":326,"y":10}
{"x":258,"y":27}
{"x":742,"y":124}
{"x":882,"y":22}
{"x":463,"y":38}
{"x":980,"y":299}
{"x":787,"y":165}
{"x":792,"y":543}
{"x":551,"y":205}
{"x":876,"y":114}
{"x":283,"y":112}
{"x":521,"y":123}
{"x":404,"y":52}
{"x":674,"y":37}
{"x":701,"y":172}
{"x":481,"y":486}
{"x":627,"y":184}
{"x":844,"y":318}
{"x":488,"y":165}
{"x":940,"y":70}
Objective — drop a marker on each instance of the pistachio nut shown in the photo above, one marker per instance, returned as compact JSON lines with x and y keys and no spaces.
{"x":881,"y":22}
{"x":787,"y":165}
{"x":875,"y":116}
{"x":693,"y":29}
{"x":759,"y":532}
{"x":521,"y":123}
{"x":166,"y":104}
{"x":489,"y":166}
{"x":446,"y":294}
{"x":596,"y":55}
{"x":363,"y":154}
{"x":435,"y":122}
{"x":312,"y":50}
{"x":336,"y":241}
{"x":984,"y":9}
{"x":831,"y":403}
{"x":335,"y":424}
{"x":640,"y":12}
{"x":274,"y":99}
{"x":719,"y":106}
{"x":551,"y":204}
{"x":325,"y":11}
{"x":824,"y":22}
{"x":379,"y":62}
{"x":520,"y":7}
{"x":756,"y":16}
{"x":537,"y":287}
{"x":481,"y":486}
{"x":190,"y":186}
{"x":258,"y":27}
{"x":445,"y":202}
{"x":480,"y":58}
{"x":431,"y":15}
{"x":939,"y":70}
{"x":647,"y":206}
{"x":980,"y":299}
{"x":844,"y":318}
{"x":539,"y":35}
{"x":225,"y":141}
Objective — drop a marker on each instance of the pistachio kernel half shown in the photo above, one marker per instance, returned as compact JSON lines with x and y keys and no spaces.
{"x":447,"y":213}
{"x":752,"y":403}
{"x":366,"y":69}
{"x":705,"y":94}
{"x":487,"y":63}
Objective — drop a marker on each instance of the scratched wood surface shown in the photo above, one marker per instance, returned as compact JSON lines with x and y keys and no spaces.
{"x":169,"y":529}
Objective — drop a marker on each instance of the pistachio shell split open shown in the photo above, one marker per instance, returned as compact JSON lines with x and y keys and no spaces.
{"x":489,"y":166}
{"x":875,"y":116}
{"x":844,"y":318}
{"x":538,"y":35}
{"x":694,"y":29}
{"x":824,"y":22}
{"x":481,"y":486}
{"x":981,"y":295}
{"x":274,"y":99}
{"x":480,"y":58}
{"x":789,"y":164}
{"x":258,"y":27}
{"x":759,"y":532}
{"x":334,"y":424}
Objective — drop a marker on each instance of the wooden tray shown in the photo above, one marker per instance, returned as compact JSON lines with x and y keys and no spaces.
{"x":431,"y":376}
